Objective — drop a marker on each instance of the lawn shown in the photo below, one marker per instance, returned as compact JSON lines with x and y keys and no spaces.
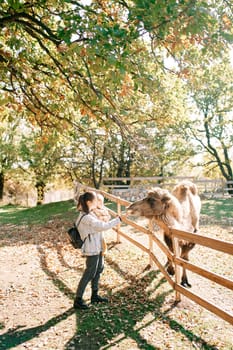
{"x":16,"y":215}
{"x":218,"y":208}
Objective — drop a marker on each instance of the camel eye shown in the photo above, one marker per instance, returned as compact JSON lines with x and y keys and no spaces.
{"x":151,"y":201}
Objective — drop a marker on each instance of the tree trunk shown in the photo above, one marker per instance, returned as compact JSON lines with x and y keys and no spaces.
{"x":40,"y":192}
{"x":1,"y":184}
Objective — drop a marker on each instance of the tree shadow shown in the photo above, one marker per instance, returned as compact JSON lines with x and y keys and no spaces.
{"x":98,"y":328}
{"x":106,"y":325}
{"x":63,"y":261}
{"x":58,"y":283}
{"x":16,"y":337}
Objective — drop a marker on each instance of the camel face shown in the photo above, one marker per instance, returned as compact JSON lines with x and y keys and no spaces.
{"x":181,"y":190}
{"x":152,"y":205}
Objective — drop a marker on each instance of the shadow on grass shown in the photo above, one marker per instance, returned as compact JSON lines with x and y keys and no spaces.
{"x":106,"y":325}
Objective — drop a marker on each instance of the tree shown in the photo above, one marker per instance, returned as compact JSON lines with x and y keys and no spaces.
{"x":41,"y":154}
{"x":62,"y":53}
{"x":212,"y":92}
{"x":9,"y":140}
{"x":157,"y":141}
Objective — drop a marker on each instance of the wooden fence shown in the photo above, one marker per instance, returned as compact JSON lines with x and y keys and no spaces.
{"x":208,"y":187}
{"x":214,"y":244}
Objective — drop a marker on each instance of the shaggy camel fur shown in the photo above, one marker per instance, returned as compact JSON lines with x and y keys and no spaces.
{"x":166,"y":210}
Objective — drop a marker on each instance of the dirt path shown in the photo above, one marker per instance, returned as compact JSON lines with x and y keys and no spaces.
{"x":39,"y":275}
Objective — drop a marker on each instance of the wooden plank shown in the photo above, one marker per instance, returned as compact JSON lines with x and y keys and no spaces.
{"x":163,"y":247}
{"x":119,"y":187}
{"x":136,"y":226}
{"x":115,"y":199}
{"x":153,"y":257}
{"x":150,"y":241}
{"x":216,"y":244}
{"x":155,"y":239}
{"x":208,"y":181}
{"x":136,"y":178}
{"x":162,"y":269}
{"x":107,"y":195}
{"x":133,"y":241}
{"x":206,"y":304}
{"x":176,"y":247}
{"x":144,"y":178}
{"x":225,"y":282}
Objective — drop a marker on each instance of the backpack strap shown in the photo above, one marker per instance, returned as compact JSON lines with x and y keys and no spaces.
{"x":80,"y":220}
{"x":78,"y":225}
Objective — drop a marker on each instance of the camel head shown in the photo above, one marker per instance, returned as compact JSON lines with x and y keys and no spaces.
{"x":154,"y":204}
{"x":182,"y":188}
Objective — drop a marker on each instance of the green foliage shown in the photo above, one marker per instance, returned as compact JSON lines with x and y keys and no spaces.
{"x":41,"y":153}
{"x":212,"y":94}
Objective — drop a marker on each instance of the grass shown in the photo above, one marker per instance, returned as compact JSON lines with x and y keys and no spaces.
{"x":11,"y":214}
{"x":218,"y":208}
{"x":16,"y":215}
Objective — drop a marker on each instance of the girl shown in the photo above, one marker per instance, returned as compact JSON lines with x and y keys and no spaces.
{"x":90,"y":229}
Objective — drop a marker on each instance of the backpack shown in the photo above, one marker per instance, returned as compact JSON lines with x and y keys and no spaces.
{"x":74,"y":236}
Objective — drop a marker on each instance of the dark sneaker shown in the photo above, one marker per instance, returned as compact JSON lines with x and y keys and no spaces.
{"x":80,"y":304}
{"x":98,"y":299}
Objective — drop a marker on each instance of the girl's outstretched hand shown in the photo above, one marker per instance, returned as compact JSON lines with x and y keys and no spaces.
{"x":122,"y":216}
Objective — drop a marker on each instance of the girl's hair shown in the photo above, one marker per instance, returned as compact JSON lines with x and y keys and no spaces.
{"x":83,"y":199}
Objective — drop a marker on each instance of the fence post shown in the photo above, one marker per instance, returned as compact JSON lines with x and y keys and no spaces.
{"x":118,"y":226}
{"x":176,"y":251}
{"x":150,"y":242}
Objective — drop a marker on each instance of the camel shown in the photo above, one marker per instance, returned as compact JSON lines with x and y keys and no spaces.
{"x":166,"y":210}
{"x":187,"y":194}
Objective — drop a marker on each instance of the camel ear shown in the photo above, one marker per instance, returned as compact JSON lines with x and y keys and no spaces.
{"x":193,"y":189}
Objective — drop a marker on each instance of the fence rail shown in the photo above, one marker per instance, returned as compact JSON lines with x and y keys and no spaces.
{"x":214,"y":244}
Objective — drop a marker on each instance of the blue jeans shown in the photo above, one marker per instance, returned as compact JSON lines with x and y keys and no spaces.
{"x":94,"y":267}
